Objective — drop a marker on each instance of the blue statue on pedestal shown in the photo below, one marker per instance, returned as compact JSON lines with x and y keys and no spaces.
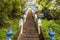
{"x":9,"y":33}
{"x":51,"y":33}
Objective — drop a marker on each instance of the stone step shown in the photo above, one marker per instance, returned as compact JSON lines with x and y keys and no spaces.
{"x":29,"y":28}
{"x":30,"y":39}
{"x":30,"y":36}
{"x":33,"y":31}
{"x":30,"y":33}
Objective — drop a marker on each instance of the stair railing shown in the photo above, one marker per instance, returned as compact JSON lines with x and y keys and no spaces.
{"x":38,"y":20}
{"x":20,"y":27}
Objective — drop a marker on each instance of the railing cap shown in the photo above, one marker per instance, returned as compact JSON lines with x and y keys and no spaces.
{"x":21,"y":17}
{"x":38,"y":17}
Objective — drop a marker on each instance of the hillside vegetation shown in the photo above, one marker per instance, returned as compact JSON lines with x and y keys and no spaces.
{"x":11,"y":10}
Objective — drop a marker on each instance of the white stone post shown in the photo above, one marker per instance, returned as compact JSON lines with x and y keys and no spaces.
{"x":39,"y":24}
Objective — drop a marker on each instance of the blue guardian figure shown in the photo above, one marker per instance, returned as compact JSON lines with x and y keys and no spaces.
{"x":9,"y":33}
{"x":51,"y":33}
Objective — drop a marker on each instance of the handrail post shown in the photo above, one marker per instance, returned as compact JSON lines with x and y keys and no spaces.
{"x":39,"y":24}
{"x":51,"y":33}
{"x":9,"y":34}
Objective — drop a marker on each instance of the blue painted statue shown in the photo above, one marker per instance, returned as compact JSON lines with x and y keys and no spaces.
{"x":9,"y":33}
{"x":51,"y":33}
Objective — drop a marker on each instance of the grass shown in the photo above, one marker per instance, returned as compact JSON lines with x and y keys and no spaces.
{"x":14,"y":25}
{"x":55,"y":24}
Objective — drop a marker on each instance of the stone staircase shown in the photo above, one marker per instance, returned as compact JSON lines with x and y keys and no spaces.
{"x":30,"y":29}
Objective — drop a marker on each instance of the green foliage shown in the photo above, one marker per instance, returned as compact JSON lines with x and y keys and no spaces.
{"x":9,"y":9}
{"x":55,"y":24}
{"x":50,"y":6}
{"x":14,"y":25}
